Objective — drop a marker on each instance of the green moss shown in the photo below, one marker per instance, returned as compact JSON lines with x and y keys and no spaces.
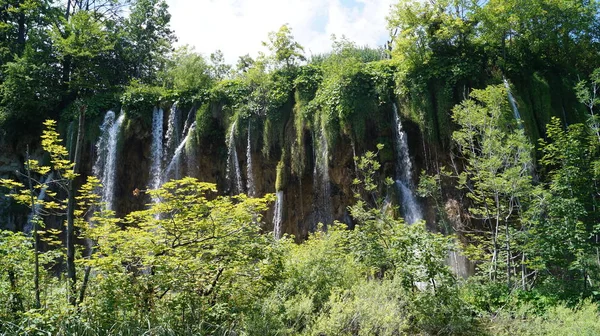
{"x":207,"y":128}
{"x":386,"y":154}
{"x":139,"y":100}
{"x":281,"y":179}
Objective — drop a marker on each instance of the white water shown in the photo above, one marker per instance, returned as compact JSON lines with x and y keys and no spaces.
{"x":404,"y":185}
{"x":249,"y":169}
{"x":233,"y":173}
{"x":156,"y":149}
{"x":174,"y":164}
{"x":459,"y":264}
{"x":278,"y":215}
{"x":105,"y":167}
{"x":513,"y":103}
{"x":321,"y":183}
{"x":189,"y":120}
{"x":172,"y":136}
{"x":37,"y":207}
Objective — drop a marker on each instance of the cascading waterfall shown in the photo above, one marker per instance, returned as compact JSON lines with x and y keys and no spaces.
{"x":35,"y":210}
{"x":174,"y":164}
{"x":105,"y":167}
{"x":321,"y":182}
{"x":156,"y":149}
{"x":354,"y":157}
{"x":278,"y":215}
{"x":513,"y":103}
{"x":410,"y":207}
{"x":172,"y":137}
{"x":249,"y":170}
{"x":233,"y":173}
{"x":189,"y":120}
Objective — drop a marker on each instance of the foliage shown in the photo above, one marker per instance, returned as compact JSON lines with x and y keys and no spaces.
{"x":148,"y":38}
{"x":285,"y":51}
{"x":29,"y":90}
{"x":163,"y":266}
{"x":200,"y":263}
{"x":187,"y":72}
{"x":218,"y":68}
{"x":559,"y":320}
{"x":84,"y":42}
{"x":139,"y":99}
{"x":496,"y":174}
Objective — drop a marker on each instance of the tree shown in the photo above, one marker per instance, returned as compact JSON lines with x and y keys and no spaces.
{"x":64,"y":172}
{"x":540,"y":32}
{"x":148,"y":38}
{"x":187,"y":71}
{"x":84,"y":42}
{"x":202,"y":252}
{"x":589,"y":95}
{"x":565,"y":230}
{"x":244,"y":63}
{"x":284,"y":50}
{"x":496,"y":173}
{"x":218,"y":68}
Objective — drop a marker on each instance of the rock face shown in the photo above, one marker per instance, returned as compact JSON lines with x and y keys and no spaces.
{"x":206,"y":160}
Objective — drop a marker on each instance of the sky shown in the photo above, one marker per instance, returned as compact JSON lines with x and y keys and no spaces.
{"x":237,"y":27}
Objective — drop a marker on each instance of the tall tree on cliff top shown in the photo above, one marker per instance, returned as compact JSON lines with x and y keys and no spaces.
{"x":284,"y":50}
{"x":148,"y":38}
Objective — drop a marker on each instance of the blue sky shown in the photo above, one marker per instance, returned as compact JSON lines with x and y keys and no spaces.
{"x":237,"y":27}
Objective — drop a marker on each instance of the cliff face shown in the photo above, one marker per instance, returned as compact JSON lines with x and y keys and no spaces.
{"x":206,"y":160}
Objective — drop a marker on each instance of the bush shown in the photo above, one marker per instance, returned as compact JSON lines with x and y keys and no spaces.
{"x":138,"y":100}
{"x":559,"y":320}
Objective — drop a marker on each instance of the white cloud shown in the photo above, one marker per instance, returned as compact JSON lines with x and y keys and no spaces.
{"x":238,"y":27}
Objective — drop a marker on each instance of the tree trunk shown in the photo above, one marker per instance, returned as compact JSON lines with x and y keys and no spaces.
{"x":33,"y":220}
{"x":21,"y":34}
{"x":71,"y":275}
{"x":508,"y":258}
{"x":68,"y":12}
{"x":16,"y":303}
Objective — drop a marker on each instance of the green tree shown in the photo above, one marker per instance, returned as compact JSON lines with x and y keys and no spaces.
{"x":218,"y":68}
{"x":84,"y":42}
{"x":193,"y":261}
{"x":148,"y":38}
{"x":284,"y":50}
{"x":244,"y":63}
{"x":563,"y":36}
{"x":589,"y":95}
{"x":496,"y":174}
{"x":187,"y":71}
{"x":566,"y":229}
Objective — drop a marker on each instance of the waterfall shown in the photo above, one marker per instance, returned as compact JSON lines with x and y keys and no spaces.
{"x":189,"y":120}
{"x":321,"y":182}
{"x":105,"y":167}
{"x":156,"y":149}
{"x":249,"y":170}
{"x":354,"y":157}
{"x":233,"y":173}
{"x":174,"y":164}
{"x":37,"y":207}
{"x":278,"y":215}
{"x":404,"y":185}
{"x":513,"y":103}
{"x":172,"y":136}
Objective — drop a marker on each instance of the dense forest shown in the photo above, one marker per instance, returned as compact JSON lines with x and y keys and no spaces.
{"x":447,"y":183}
